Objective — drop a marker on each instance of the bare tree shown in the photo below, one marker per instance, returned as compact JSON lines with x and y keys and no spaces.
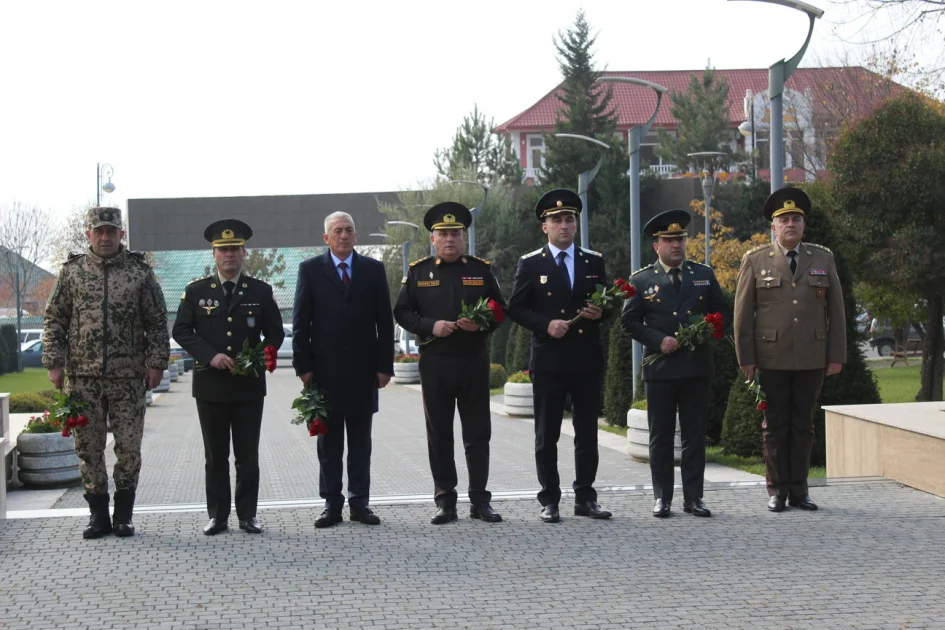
{"x":27,"y":238}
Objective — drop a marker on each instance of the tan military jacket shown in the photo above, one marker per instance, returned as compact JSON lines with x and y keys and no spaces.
{"x":106,"y":318}
{"x":789,"y":323}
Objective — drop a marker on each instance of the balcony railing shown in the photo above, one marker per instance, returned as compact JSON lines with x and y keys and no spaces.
{"x":532,"y":173}
{"x":663,"y":169}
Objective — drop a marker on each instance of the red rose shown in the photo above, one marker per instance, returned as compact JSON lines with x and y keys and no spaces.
{"x":718,"y":333}
{"x":270,"y":351}
{"x":619,"y":282}
{"x":629,"y":291}
{"x":709,"y":318}
{"x":497,"y":313}
{"x":82,"y":421}
{"x":66,"y":432}
{"x":718,"y":319}
{"x":317,"y":428}
{"x":762,"y":405}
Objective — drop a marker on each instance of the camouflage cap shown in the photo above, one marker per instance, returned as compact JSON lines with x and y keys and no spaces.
{"x":98,"y":216}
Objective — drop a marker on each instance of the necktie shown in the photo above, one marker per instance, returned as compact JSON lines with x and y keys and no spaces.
{"x":563,"y":268}
{"x":793,"y":256}
{"x":227,"y":294}
{"x":345,"y":278}
{"x":677,"y":283}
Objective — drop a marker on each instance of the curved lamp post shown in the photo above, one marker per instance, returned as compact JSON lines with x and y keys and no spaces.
{"x":405,"y":246}
{"x":474,"y":211}
{"x":584,"y":182}
{"x":777,"y":75}
{"x":636,"y":135}
{"x":708,"y":186}
{"x":108,"y":186}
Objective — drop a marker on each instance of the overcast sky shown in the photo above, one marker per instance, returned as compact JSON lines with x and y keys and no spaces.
{"x":237,"y":98}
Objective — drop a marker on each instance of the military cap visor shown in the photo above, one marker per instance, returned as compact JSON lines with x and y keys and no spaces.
{"x":786,"y":201}
{"x":228,"y":233}
{"x":98,"y":216}
{"x":448,"y":215}
{"x":668,"y":224}
{"x":558,"y":201}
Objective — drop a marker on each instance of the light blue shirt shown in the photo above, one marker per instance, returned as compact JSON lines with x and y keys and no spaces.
{"x":338,"y":261}
{"x":568,"y":259}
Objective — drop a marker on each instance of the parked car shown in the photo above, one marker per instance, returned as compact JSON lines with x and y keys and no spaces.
{"x":285,"y":350}
{"x":884,"y":342}
{"x":30,"y":334}
{"x":404,"y":342}
{"x":32,"y":353}
{"x":188,"y":360}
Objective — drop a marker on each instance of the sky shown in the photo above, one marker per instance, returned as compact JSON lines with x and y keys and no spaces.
{"x":206,"y":98}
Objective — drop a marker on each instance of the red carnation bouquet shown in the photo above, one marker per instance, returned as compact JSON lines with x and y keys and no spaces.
{"x":606,"y":299}
{"x":311,"y":407}
{"x":67,"y":410}
{"x":485,"y":313}
{"x":699,"y":331}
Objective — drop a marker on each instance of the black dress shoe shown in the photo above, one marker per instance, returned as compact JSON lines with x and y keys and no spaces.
{"x":327,"y":519}
{"x":776,"y":503}
{"x":591,"y":509}
{"x":251,"y":526}
{"x":214,"y":527}
{"x":661,"y":509}
{"x":444,"y":514}
{"x":804,"y":504}
{"x":549,"y":513}
{"x":484,"y":512}
{"x":366,"y":516}
{"x":695,"y":507}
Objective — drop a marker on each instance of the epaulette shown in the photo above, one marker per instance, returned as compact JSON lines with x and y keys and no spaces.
{"x":139,"y":257}
{"x":757,"y":249}
{"x":73,"y":257}
{"x":199,"y":279}
{"x":827,"y":249}
{"x":482,"y":260}
{"x":417,"y":262}
{"x":640,"y":270}
{"x":696,"y":262}
{"x":592,"y":252}
{"x":534,"y":253}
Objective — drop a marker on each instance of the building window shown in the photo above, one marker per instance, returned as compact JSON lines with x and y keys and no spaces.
{"x":536,"y":151}
{"x":797,"y":149}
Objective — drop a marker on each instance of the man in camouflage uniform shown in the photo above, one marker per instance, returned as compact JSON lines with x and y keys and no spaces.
{"x":105,"y":339}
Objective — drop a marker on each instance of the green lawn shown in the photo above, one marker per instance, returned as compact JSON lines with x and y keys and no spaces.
{"x":714,"y":454}
{"x":898,"y":384}
{"x":29,"y":380}
{"x":615,"y":430}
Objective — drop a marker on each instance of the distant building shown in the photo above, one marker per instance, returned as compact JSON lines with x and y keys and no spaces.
{"x":36,"y":285}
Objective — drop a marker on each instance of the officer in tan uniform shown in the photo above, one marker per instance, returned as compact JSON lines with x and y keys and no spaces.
{"x":790,"y":330}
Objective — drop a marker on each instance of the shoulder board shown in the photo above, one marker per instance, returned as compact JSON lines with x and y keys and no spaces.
{"x":534,"y":253}
{"x":641,"y":270}
{"x":697,"y":263}
{"x":818,"y":246}
{"x":196,"y":280}
{"x":417,"y":262}
{"x":482,"y":260}
{"x":757,"y":249}
{"x":591,"y":252}
{"x":137,"y":255}
{"x":73,"y":258}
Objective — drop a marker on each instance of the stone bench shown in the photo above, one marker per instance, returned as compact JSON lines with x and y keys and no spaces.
{"x":903,"y":441}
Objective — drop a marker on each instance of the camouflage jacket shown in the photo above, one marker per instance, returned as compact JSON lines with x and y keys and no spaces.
{"x":106,"y":318}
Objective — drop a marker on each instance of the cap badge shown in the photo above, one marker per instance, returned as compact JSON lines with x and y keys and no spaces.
{"x":449,"y":218}
{"x":560,"y":203}
{"x":674,"y":227}
{"x":227,"y":233}
{"x":789,"y":203}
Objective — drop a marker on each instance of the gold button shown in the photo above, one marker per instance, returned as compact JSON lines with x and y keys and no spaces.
{"x":795,"y":301}
{"x":229,"y":348}
{"x":674,"y":312}
{"x":229,"y":333}
{"x":250,"y":312}
{"x":658,"y":300}
{"x":578,"y":311}
{"x":700,"y":297}
{"x":763,"y":337}
{"x":229,"y":319}
{"x":562,"y":311}
{"x":580,"y":331}
{"x":549,"y":293}
{"x":767,"y":284}
{"x":793,"y":284}
{"x":795,"y":320}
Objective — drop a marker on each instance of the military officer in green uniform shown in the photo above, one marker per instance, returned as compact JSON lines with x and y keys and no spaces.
{"x":671,"y":292}
{"x":215,"y":316}
{"x":454,"y":357}
{"x":790,"y":330}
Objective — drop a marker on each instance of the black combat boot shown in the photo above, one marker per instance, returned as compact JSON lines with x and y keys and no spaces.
{"x":99,"y":522}
{"x":121,"y":520}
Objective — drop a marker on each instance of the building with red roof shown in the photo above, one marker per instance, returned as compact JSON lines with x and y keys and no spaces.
{"x":817,"y":101}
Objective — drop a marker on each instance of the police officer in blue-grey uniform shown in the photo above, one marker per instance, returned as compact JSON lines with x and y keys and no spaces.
{"x":552,"y":286}
{"x":670,"y":292}
{"x":215,"y":316}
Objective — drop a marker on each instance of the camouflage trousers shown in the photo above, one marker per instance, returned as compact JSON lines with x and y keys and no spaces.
{"x":122,"y":402}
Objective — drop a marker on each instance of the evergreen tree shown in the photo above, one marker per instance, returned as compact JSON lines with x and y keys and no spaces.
{"x":499,"y":343}
{"x":702,"y":123}
{"x":476,"y":149}
{"x":618,"y":383}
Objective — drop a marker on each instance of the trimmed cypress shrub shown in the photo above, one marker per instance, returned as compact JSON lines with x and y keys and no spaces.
{"x":8,"y":332}
{"x":618,"y":380}
{"x":498,"y":345}
{"x":741,"y":427}
{"x":497,"y":376}
{"x":522,"y":350}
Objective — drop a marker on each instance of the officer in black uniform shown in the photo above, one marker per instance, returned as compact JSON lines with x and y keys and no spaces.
{"x":552,"y":286}
{"x":670,"y":292}
{"x":216,"y":314}
{"x":454,"y":358}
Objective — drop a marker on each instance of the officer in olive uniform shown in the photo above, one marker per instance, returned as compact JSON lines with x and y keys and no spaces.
{"x":671,"y":292}
{"x":790,"y":330}
{"x":215,"y":316}
{"x":552,"y":286}
{"x":454,"y":357}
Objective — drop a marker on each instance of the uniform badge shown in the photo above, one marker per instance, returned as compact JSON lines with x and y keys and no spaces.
{"x":820,"y":291}
{"x":473,"y":282}
{"x":403,"y":280}
{"x":543,"y":279}
{"x":700,"y":283}
{"x":651,"y":293}
{"x":251,"y":322}
{"x":209,"y":305}
{"x":818,"y":272}
{"x":431,"y":275}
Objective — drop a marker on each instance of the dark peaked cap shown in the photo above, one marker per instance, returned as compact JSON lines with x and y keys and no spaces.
{"x":228,"y":233}
{"x":557,"y":201}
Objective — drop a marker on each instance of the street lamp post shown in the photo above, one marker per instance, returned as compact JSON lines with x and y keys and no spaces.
{"x":636,"y":136}
{"x":405,"y":246}
{"x":108,"y":186}
{"x":584,"y":183}
{"x":708,"y":186}
{"x":778,"y":74}
{"x":747,"y":129}
{"x":474,"y":211}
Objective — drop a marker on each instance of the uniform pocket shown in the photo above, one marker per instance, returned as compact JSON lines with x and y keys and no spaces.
{"x":767,"y":290}
{"x":766,"y":345}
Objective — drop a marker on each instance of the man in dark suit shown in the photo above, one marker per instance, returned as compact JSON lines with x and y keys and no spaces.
{"x":454,"y":357}
{"x":343,"y":339}
{"x":215,"y":316}
{"x":668,"y":293}
{"x":553,"y":285}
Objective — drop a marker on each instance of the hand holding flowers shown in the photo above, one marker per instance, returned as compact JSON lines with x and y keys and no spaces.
{"x":700,"y":330}
{"x":606,"y":299}
{"x":311,"y":408}
{"x":485,"y":313}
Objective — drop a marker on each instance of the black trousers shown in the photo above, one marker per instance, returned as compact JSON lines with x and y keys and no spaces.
{"x":788,"y":428}
{"x":451,"y":382}
{"x":218,"y":420}
{"x":691,"y":397}
{"x":331,"y":447}
{"x":549,"y":390}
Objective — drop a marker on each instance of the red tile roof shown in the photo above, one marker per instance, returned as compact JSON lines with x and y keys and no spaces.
{"x":635,"y":104}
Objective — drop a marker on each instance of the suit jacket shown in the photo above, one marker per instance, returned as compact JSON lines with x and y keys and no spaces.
{"x":657,"y":310}
{"x":434,"y":289}
{"x":540,"y":295}
{"x":205,"y":331}
{"x":789,"y":323}
{"x":343,"y":336}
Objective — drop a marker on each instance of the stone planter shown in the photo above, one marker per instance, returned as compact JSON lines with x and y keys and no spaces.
{"x":638,"y":437}
{"x":47,"y":460}
{"x":165,"y":385}
{"x":406,"y":373}
{"x":149,"y":398}
{"x":518,"y":399}
{"x":174,"y":370}
{"x":188,"y":364}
